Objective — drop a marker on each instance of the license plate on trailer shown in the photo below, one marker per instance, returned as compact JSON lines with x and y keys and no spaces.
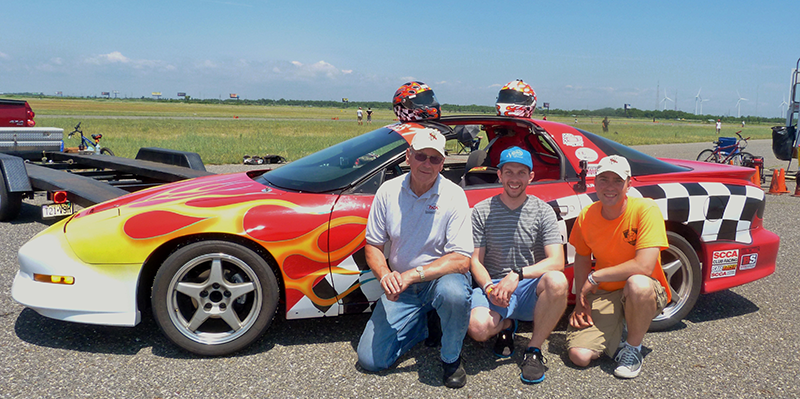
{"x":56,"y":210}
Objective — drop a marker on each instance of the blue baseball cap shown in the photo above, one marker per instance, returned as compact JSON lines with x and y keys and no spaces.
{"x":515,"y":154}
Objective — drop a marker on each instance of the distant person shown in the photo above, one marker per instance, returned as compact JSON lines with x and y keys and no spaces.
{"x":605,"y":125}
{"x":627,"y":287}
{"x":415,"y":101}
{"x":719,"y":126}
{"x":369,"y":115}
{"x":518,"y":263}
{"x":360,"y":115}
{"x":742,"y":123}
{"x":544,"y":118}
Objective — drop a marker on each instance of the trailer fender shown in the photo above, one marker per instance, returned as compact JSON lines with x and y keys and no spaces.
{"x":171,"y":157}
{"x":14,"y":174}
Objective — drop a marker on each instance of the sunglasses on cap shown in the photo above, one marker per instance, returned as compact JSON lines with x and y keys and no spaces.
{"x":435,"y":159}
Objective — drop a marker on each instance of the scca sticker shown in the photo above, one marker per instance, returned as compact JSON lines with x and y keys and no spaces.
{"x":723,"y":263}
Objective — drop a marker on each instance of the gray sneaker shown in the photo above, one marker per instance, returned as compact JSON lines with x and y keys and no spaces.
{"x":629,"y":362}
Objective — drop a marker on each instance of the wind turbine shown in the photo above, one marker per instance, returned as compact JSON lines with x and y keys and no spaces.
{"x":739,"y":104}
{"x":665,"y":99}
{"x":784,"y":105}
{"x":702,"y":100}
{"x":697,"y":99}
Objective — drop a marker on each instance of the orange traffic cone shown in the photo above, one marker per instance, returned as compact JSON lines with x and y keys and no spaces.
{"x":774,"y":188}
{"x":782,"y":182}
{"x":756,"y":178}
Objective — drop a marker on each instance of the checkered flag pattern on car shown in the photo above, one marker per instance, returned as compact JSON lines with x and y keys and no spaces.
{"x":716,"y":211}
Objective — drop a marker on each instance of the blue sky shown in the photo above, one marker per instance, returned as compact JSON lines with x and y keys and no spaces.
{"x":575,"y":54}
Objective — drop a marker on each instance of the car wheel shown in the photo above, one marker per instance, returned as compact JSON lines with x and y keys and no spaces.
{"x":708,"y":156}
{"x":213,"y":298}
{"x":682,"y":269}
{"x":10,"y":203}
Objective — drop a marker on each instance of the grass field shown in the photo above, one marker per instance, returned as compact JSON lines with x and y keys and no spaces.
{"x":224,"y":133}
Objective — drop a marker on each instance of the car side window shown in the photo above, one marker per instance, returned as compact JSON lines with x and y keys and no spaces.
{"x":371,"y":184}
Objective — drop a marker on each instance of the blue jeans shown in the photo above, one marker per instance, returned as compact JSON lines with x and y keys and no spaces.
{"x":395,"y":327}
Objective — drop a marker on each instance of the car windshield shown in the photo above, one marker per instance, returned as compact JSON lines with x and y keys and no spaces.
{"x":641,"y":164}
{"x":339,"y":166}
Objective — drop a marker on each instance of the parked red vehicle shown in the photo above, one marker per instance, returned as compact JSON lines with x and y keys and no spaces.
{"x":215,"y":257}
{"x":16,"y":113}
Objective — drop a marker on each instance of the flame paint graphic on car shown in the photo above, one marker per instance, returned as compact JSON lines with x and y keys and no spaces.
{"x":301,"y":238}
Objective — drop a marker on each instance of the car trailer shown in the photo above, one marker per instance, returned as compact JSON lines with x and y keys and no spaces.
{"x":87,"y":179}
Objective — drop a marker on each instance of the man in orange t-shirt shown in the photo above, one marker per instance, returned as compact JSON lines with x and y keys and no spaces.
{"x":627,"y":285}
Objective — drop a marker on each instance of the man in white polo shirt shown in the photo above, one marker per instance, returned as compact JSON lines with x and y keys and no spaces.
{"x":426,"y":218}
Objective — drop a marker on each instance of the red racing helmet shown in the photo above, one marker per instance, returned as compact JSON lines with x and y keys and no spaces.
{"x":516,"y":98}
{"x":415,"y":101}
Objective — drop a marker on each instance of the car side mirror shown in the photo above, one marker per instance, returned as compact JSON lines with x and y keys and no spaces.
{"x":580,"y":186}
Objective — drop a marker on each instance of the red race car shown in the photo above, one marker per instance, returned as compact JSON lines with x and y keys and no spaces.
{"x":216,"y":257}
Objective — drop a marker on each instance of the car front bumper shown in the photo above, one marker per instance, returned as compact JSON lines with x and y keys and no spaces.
{"x":101,"y":294}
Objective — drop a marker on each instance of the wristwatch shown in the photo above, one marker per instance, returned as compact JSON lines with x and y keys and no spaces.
{"x":421,"y":273}
{"x":519,"y":273}
{"x":591,"y":279}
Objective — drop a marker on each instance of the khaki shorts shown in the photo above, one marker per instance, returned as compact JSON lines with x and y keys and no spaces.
{"x":608,"y":314}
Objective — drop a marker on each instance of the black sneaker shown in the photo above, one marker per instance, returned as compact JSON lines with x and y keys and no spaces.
{"x":533,"y":366}
{"x":504,"y":345}
{"x":454,"y":374}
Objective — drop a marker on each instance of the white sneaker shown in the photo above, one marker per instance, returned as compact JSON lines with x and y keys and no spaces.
{"x":629,"y":362}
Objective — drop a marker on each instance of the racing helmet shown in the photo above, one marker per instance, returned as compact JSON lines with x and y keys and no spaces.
{"x":415,"y":101}
{"x":516,"y":98}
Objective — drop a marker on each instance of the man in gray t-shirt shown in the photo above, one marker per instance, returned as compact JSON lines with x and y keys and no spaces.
{"x":518,"y":264}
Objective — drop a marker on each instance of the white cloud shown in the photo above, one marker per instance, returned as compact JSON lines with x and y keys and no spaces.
{"x":117,"y":58}
{"x":110,"y":58}
{"x":315,"y":70}
{"x":206,"y":64}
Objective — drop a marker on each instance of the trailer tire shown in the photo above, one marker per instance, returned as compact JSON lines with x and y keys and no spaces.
{"x":106,"y":151}
{"x":10,"y":203}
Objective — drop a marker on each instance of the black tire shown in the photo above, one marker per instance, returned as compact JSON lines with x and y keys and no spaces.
{"x":682,"y":268}
{"x":708,"y":156}
{"x":106,"y":151}
{"x":10,"y":203}
{"x":202,"y":281}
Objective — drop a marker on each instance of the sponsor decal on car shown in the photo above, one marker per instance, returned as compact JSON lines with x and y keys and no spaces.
{"x":749,"y":258}
{"x":723,"y":263}
{"x":587,"y":154}
{"x":572,"y":140}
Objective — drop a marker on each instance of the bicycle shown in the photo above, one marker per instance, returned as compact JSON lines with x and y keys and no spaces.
{"x":727,"y":150}
{"x":88,"y":145}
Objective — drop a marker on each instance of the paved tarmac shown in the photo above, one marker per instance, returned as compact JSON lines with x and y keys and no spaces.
{"x":741,"y":342}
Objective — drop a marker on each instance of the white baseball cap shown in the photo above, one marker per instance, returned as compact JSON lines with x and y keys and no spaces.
{"x":616,"y":164}
{"x":428,"y":138}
